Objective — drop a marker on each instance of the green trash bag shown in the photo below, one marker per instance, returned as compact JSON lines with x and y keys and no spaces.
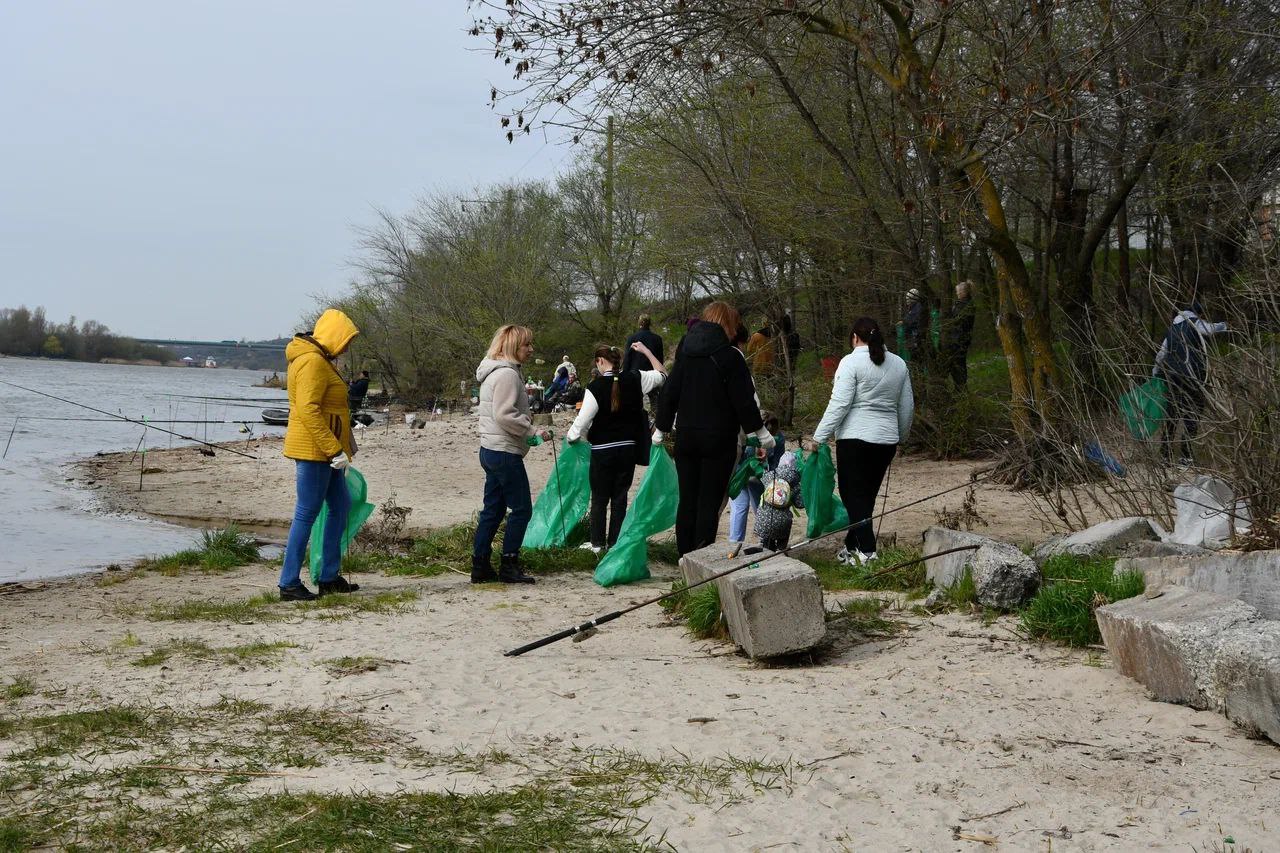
{"x":752,"y":467}
{"x":564,"y":500}
{"x":825,"y":511}
{"x":359,"y":513}
{"x":1144,"y":407}
{"x":653,"y":511}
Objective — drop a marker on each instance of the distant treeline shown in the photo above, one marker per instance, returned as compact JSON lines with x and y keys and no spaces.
{"x":27,"y":332}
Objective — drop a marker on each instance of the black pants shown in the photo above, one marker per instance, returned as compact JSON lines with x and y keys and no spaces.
{"x":1185,"y":404}
{"x":612,"y":471}
{"x":704,"y":464}
{"x":860,"y":468}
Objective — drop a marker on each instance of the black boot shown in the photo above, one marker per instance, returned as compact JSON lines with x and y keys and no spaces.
{"x":510,"y":572}
{"x":338,"y":584}
{"x":482,"y":570}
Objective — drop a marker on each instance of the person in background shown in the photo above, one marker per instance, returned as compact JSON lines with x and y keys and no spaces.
{"x":869,"y":414}
{"x":761,"y":352}
{"x":1183,"y":364}
{"x":614,"y":421}
{"x":357,"y":391}
{"x":506,"y":427}
{"x":711,"y":392}
{"x":958,"y":334}
{"x":913,"y":324}
{"x":319,"y":441}
{"x":792,"y":339}
{"x":631,"y":357}
{"x":749,"y":498}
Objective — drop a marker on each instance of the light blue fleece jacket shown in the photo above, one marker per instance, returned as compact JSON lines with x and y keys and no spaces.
{"x":869,"y":401}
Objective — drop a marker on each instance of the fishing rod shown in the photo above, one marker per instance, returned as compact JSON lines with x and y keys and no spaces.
{"x":128,"y":420}
{"x":113,"y":420}
{"x":588,"y":627}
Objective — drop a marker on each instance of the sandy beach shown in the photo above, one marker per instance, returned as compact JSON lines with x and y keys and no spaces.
{"x":945,"y":734}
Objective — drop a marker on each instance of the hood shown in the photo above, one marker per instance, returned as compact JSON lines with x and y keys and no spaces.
{"x":489,"y":365}
{"x":704,"y":339}
{"x":333,"y":334}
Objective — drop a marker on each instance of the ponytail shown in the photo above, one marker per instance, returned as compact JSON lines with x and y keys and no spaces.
{"x":868,"y":331}
{"x":613,"y":355}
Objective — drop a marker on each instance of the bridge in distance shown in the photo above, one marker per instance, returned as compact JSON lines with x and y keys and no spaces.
{"x":266,"y":347}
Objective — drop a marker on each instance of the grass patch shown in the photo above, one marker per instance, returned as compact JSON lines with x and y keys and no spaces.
{"x":448,"y":549}
{"x":1073,"y":588}
{"x":964,"y":592}
{"x":866,"y":616}
{"x":267,"y":607}
{"x":218,"y":550}
{"x":575,"y":799}
{"x":872,"y":576}
{"x":347,"y":665}
{"x":248,"y":654}
{"x":20,"y":687}
{"x":702,"y":612}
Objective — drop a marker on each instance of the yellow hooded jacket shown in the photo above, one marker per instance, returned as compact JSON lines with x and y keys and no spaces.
{"x":319,"y":420}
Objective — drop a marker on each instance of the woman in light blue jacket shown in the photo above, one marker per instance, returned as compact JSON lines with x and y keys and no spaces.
{"x":869,"y":415}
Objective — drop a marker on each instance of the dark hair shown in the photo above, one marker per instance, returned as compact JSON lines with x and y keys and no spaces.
{"x":613,"y":355}
{"x":770,"y":422}
{"x":364,"y":373}
{"x":645,"y":321}
{"x":868,"y":331}
{"x":740,"y":337}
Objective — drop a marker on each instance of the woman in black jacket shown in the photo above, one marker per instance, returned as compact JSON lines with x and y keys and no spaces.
{"x":711,"y":392}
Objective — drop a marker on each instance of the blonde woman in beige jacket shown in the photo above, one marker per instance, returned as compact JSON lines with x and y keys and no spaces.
{"x":505,"y":429}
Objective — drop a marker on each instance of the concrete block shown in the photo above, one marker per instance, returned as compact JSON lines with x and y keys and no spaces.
{"x":771,"y":609}
{"x":1253,"y":578}
{"x":1247,"y":676}
{"x":1170,"y":643}
{"x":1005,"y":577}
{"x":1154,"y":548}
{"x":1108,"y":539}
{"x":946,"y":571}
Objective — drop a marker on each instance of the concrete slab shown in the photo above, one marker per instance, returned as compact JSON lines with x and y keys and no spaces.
{"x":946,"y":571}
{"x":1108,"y":539}
{"x":1005,"y":578}
{"x":1253,"y":578}
{"x":772,"y":608}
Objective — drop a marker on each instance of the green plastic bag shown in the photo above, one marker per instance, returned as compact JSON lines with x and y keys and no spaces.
{"x":1144,"y":407}
{"x":825,"y":511}
{"x":752,"y":467}
{"x":653,"y":511}
{"x":359,"y":513}
{"x":564,"y":500}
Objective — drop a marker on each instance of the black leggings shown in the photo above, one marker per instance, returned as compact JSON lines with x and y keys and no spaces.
{"x":860,"y":469}
{"x":612,"y":471}
{"x":704,"y":464}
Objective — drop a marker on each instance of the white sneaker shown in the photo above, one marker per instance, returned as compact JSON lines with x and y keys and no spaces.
{"x":854,"y":558}
{"x":587,"y":546}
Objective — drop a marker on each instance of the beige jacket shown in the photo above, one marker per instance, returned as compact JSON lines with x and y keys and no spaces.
{"x":505,"y":422}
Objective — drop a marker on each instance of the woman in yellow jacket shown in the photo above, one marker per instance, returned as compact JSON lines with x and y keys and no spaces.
{"x":319,"y":440}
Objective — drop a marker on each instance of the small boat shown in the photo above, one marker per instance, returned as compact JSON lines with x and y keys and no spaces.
{"x":276,"y":417}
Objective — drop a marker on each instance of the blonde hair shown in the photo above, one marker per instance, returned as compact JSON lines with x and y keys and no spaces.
{"x":725,"y":316}
{"x":507,"y":341}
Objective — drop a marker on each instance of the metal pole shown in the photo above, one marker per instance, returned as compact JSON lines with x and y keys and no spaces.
{"x":10,"y":441}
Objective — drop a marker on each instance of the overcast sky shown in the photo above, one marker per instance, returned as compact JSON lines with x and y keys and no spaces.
{"x":196,"y":169}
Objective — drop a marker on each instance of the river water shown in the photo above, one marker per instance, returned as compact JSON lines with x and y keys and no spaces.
{"x":48,"y":527}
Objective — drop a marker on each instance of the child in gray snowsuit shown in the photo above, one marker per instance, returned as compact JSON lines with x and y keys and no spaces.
{"x":774,"y":515}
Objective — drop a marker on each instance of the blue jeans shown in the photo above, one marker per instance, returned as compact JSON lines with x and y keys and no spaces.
{"x":317,"y":484}
{"x":747,"y":500}
{"x":506,"y":484}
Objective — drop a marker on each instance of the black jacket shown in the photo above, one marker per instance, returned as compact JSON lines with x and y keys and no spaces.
{"x":629,"y":423}
{"x":358,"y":389}
{"x":633,"y":360}
{"x":710,"y":387}
{"x":958,"y":332}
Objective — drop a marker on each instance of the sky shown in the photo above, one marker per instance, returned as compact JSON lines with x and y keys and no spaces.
{"x":199,"y":169}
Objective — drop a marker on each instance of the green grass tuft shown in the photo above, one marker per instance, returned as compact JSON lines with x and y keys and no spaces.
{"x":218,"y":550}
{"x":21,"y":686}
{"x":702,"y":611}
{"x":866,"y":616}
{"x":834,"y":577}
{"x":248,"y":654}
{"x":964,"y":592}
{"x":1073,"y":588}
{"x":268,"y":608}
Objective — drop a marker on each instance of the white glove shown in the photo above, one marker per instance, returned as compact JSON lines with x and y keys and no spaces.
{"x":767,"y":441}
{"x":340,"y":462}
{"x":657,"y":436}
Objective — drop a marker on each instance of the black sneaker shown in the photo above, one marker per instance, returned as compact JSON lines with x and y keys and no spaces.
{"x":511,"y":571}
{"x":297,"y":593}
{"x":338,"y":584}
